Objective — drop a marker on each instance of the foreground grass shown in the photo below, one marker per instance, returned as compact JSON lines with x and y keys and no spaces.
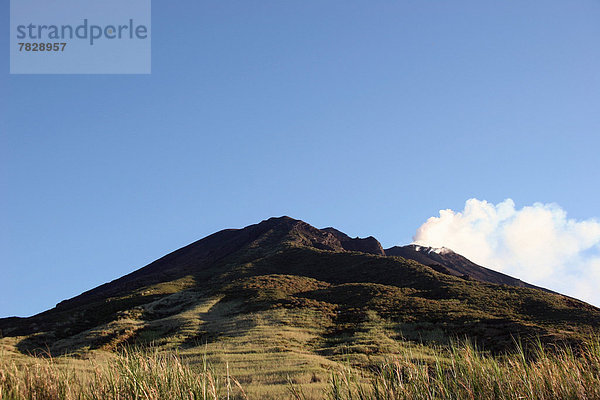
{"x":458,"y":372}
{"x":465,"y":373}
{"x":128,"y":375}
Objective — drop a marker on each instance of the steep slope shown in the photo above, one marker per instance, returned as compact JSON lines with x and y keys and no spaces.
{"x":195,"y":265}
{"x":283,"y":284}
{"x":198,"y":257}
{"x":446,"y":261}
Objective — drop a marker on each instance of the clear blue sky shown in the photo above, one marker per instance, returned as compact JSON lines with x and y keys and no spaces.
{"x":368,"y":116}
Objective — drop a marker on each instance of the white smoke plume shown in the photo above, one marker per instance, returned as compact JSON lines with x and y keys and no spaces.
{"x":537,"y":244}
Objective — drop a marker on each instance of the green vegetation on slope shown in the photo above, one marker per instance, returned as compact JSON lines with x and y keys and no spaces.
{"x":454,"y":372}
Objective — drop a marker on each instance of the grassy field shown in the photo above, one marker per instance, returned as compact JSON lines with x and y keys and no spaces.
{"x":459,"y":371}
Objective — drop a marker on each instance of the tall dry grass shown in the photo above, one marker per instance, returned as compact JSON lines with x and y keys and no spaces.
{"x":460,"y":372}
{"x":463,"y":372}
{"x":148,"y":375}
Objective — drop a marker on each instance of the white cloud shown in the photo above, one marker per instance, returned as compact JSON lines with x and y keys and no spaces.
{"x":537,"y":244}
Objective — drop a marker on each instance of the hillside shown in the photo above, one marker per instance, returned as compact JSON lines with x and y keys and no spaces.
{"x":304,"y":297}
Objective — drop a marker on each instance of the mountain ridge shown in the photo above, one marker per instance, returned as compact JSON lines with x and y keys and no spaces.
{"x":455,"y":264}
{"x":283,"y":266}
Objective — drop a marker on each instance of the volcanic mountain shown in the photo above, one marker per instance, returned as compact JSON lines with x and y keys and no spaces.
{"x":285,"y":286}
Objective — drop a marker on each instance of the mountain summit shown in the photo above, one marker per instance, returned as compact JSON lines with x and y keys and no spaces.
{"x":446,"y":261}
{"x":308,"y":290}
